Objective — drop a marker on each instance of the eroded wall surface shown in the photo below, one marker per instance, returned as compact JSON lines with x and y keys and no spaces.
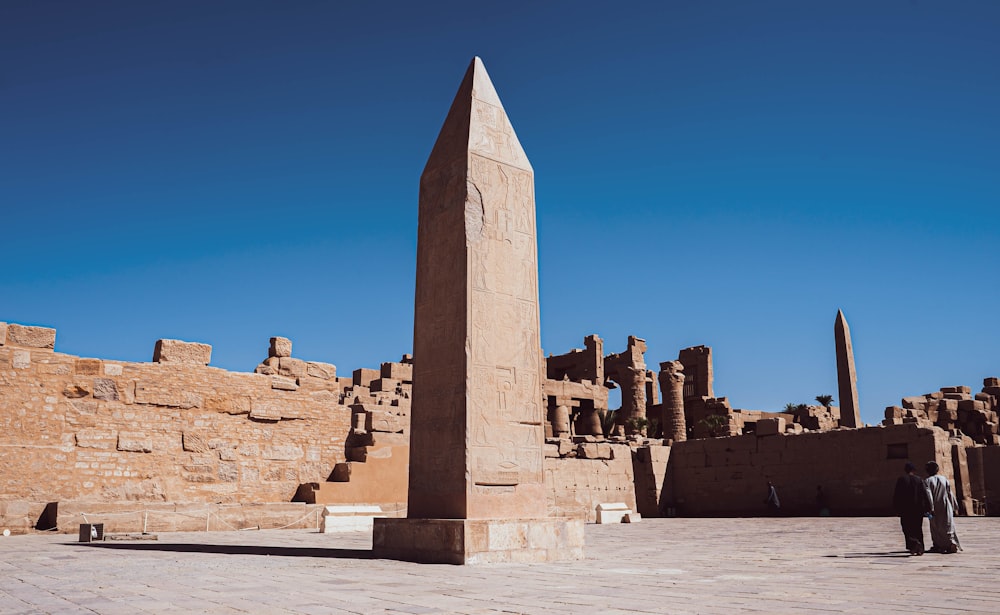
{"x":856,"y":468}
{"x":579,"y":476}
{"x":78,"y":429}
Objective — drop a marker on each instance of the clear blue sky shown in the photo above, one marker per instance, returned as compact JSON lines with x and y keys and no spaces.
{"x":721,"y":173}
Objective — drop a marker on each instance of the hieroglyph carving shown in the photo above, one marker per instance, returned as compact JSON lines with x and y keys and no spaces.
{"x":506,"y":408}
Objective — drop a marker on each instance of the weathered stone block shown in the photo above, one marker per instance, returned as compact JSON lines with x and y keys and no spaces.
{"x":95,"y":438}
{"x":324,"y":371}
{"x":280,"y":347}
{"x":229,"y":472}
{"x":75,"y":391}
{"x":104,"y":388}
{"x":87,"y":367}
{"x":384,"y":421}
{"x":363,"y":377}
{"x":770,"y":427}
{"x":265,"y":411}
{"x":295,"y":368}
{"x":283,"y":383}
{"x":21,"y":359}
{"x":991,"y":382}
{"x":283,"y":452}
{"x":612,"y":512}
{"x":398,"y":371}
{"x":55,"y":369}
{"x":478,"y":541}
{"x":565,"y":447}
{"x":386,"y":385}
{"x":31,"y":337}
{"x":3,"y":333}
{"x":194,"y":442}
{"x":895,"y":412}
{"x":177,"y":351}
{"x":971,"y":405}
{"x":135,"y":441}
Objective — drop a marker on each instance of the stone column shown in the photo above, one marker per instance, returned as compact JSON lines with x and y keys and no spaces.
{"x":634,"y":397}
{"x":476,"y":486}
{"x":560,"y":420}
{"x":847,"y":378}
{"x":672,"y":388}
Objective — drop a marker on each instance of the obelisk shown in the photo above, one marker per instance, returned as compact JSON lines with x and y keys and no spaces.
{"x":476,"y":489}
{"x":847,"y":377}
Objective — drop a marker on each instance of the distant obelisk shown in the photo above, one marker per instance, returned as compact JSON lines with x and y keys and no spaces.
{"x":847,"y":377}
{"x":477,"y":488}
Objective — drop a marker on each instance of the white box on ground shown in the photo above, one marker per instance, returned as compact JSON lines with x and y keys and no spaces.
{"x":351,"y":518}
{"x":612,"y":512}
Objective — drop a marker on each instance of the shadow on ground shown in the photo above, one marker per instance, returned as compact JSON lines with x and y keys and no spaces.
{"x":874,"y":554}
{"x":230,"y":549}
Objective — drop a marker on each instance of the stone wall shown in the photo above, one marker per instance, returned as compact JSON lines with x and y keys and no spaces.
{"x":649,"y":464}
{"x":581,"y":475}
{"x":105,"y":432}
{"x":956,"y":407}
{"x":857,"y":469}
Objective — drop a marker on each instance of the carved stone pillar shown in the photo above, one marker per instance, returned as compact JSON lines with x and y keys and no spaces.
{"x":560,"y":421}
{"x":672,"y":390}
{"x":634,"y":400}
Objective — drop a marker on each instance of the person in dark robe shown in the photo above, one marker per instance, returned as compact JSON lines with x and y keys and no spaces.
{"x":772,"y":501}
{"x":911,"y":501}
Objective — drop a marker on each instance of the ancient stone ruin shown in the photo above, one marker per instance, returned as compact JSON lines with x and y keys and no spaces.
{"x":477,"y":448}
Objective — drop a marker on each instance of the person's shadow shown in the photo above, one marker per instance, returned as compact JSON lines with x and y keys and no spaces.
{"x":873,"y":554}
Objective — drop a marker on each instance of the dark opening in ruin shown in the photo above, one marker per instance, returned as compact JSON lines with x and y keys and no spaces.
{"x":897,"y":451}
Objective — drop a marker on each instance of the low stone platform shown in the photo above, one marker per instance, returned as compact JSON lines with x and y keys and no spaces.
{"x":677,"y":566}
{"x":478,"y":541}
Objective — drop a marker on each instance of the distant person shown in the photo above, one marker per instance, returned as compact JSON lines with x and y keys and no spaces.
{"x":911,"y":501}
{"x":944,"y":503}
{"x":772,"y":501}
{"x":821,"y":503}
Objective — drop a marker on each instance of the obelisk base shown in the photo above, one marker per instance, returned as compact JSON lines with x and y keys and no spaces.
{"x":478,"y":541}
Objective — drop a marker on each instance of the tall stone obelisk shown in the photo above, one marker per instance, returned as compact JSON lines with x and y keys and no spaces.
{"x":477,"y":488}
{"x":847,"y":377}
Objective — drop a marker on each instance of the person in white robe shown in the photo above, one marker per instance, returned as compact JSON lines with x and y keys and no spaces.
{"x":943,"y":520}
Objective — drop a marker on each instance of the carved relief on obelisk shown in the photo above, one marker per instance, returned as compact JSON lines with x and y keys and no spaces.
{"x":476,"y":446}
{"x":847,"y":377}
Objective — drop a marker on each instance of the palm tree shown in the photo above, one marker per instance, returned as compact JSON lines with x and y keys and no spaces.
{"x":825,"y":400}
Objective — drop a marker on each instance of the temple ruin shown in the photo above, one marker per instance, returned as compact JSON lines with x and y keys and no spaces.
{"x":477,"y":436}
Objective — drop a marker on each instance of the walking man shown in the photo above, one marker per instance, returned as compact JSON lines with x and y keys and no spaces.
{"x":911,"y":501}
{"x":943,"y":522}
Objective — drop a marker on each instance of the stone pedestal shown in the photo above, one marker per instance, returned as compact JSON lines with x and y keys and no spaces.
{"x":479,"y":541}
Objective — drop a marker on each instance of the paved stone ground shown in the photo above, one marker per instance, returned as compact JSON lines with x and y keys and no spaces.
{"x":702,"y":566}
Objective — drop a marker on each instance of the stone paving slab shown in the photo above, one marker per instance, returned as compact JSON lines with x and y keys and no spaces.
{"x":677,"y":566}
